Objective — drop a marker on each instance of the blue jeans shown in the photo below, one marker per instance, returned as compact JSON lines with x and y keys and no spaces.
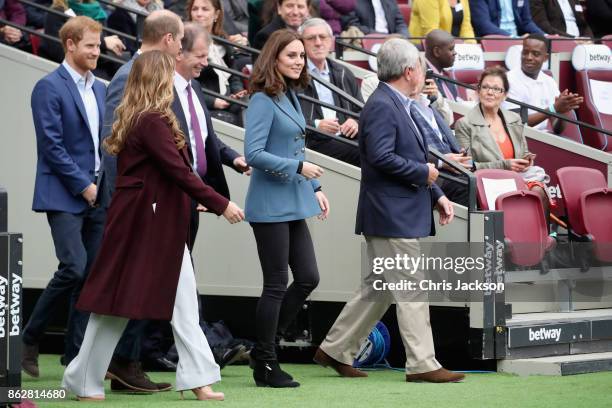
{"x":76,"y":238}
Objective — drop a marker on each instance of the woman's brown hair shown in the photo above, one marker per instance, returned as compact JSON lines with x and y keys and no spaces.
{"x":217,"y":28}
{"x":266,"y":77}
{"x":496,"y":71}
{"x":149,"y":89}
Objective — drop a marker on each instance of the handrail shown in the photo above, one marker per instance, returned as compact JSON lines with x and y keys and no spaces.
{"x":328,"y":106}
{"x":337,"y":90}
{"x":62,"y":14}
{"x":225,"y":41}
{"x":49,"y":37}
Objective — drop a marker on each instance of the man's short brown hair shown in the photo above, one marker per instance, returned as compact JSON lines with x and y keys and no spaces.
{"x":158,"y":24}
{"x":74,"y":29}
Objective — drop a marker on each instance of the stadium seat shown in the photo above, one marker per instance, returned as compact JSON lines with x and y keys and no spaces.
{"x":371,"y":39}
{"x":607,"y":40}
{"x":469,"y":64}
{"x":593,"y":75}
{"x":588,"y":206}
{"x":527,"y":241}
{"x":498,"y":43}
{"x":559,"y":44}
{"x":405,"y":9}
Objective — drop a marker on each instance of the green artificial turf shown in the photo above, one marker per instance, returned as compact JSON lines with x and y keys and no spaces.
{"x":383,"y":388}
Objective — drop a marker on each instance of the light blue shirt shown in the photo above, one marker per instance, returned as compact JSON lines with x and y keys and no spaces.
{"x":85,"y":86}
{"x":406,"y":102}
{"x":507,"y":17}
{"x":324,"y":93}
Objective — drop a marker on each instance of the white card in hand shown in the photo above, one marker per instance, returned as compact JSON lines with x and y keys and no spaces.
{"x":154,"y":205}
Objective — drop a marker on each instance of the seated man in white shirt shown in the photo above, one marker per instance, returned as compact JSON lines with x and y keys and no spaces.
{"x":530,"y":85}
{"x":318,"y":43}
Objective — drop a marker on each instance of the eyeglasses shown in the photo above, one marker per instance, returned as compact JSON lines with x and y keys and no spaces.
{"x":494,"y":89}
{"x":321,"y":37}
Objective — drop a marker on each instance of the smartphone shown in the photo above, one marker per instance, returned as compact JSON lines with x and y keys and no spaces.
{"x":429,"y":74}
{"x":466,"y":151}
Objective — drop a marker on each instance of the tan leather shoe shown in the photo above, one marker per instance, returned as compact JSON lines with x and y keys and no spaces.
{"x":441,"y":375}
{"x":345,"y":370}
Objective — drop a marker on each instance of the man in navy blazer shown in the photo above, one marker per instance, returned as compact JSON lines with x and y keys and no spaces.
{"x":396,"y":197}
{"x":67,"y":108}
{"x":487,"y":17}
{"x":364,"y":18}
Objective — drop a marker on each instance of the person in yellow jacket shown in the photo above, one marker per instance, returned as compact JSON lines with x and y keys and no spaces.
{"x":452,"y":16}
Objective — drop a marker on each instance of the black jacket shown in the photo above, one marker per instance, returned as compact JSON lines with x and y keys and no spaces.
{"x":364,"y":18}
{"x":547,"y":14}
{"x":262,"y":36}
{"x":599,"y":14}
{"x":343,"y":79}
{"x":210,"y":80}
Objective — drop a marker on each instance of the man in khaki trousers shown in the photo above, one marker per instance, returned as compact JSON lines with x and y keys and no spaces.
{"x":396,"y":197}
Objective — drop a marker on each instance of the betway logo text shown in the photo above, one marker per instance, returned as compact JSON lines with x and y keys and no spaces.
{"x":544,"y":334}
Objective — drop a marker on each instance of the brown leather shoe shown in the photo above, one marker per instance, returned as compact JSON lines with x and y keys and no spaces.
{"x":441,"y":375}
{"x":345,"y":370}
{"x":129,"y":377}
{"x":29,"y":359}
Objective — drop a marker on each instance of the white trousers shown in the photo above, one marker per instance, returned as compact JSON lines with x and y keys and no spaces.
{"x":84,"y":376}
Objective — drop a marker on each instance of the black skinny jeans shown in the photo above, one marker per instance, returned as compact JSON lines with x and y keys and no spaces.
{"x":281,"y":245}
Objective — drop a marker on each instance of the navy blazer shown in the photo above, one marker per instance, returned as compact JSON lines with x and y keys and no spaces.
{"x":217,"y":152}
{"x":65,"y":149}
{"x":274,"y":145}
{"x":108,"y":166}
{"x":394,"y":198}
{"x":486,"y":17}
{"x":364,"y":18}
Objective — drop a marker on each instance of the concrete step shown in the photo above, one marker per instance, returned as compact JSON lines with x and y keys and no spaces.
{"x":558,"y":365}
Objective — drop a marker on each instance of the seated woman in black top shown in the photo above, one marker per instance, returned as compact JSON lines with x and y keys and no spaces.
{"x":209,"y":13}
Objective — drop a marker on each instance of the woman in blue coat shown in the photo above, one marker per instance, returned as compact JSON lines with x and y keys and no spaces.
{"x":283,"y":192}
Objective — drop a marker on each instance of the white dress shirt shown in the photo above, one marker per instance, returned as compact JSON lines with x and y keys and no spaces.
{"x":85,"y":86}
{"x":570,"y":19}
{"x":180,"y":84}
{"x":380,"y":25}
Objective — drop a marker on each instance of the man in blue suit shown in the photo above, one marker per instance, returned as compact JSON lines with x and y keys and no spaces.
{"x":503,"y":17}
{"x":68,"y":107}
{"x":396,"y":197}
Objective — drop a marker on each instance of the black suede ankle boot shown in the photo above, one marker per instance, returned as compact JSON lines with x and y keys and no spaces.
{"x":269,"y":374}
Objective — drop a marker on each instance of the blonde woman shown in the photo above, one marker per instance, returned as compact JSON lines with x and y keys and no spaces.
{"x":143,"y":269}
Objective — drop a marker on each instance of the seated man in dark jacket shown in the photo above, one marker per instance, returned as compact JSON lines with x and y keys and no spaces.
{"x":318,"y":43}
{"x":502,"y":17}
{"x":291,"y":15}
{"x":377,"y":16}
{"x":561,"y":17}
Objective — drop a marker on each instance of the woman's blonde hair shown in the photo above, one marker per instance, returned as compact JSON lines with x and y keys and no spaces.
{"x":149,"y":89}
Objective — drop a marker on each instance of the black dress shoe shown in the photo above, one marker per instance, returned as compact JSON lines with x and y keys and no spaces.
{"x":269,"y":374}
{"x":225,"y":356}
{"x":158,"y":364}
{"x":29,"y":359}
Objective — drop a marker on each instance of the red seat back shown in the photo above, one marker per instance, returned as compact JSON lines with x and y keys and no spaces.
{"x":498,"y":43}
{"x":597,"y":215}
{"x":573,"y":181}
{"x":406,"y":10}
{"x":571,"y":131}
{"x":607,"y":40}
{"x":524,"y":227}
{"x":497,"y":174}
{"x":558,"y":44}
{"x":468,"y":76}
{"x":371,"y":39}
{"x":589,"y":113}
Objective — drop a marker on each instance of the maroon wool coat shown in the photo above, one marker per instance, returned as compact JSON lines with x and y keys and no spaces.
{"x":136,"y":271}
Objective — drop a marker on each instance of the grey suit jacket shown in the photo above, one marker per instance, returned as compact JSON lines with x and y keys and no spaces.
{"x":473,"y":131}
{"x":108,"y":165}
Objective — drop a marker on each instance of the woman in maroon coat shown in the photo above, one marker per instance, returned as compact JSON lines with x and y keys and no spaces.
{"x":143,"y":269}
